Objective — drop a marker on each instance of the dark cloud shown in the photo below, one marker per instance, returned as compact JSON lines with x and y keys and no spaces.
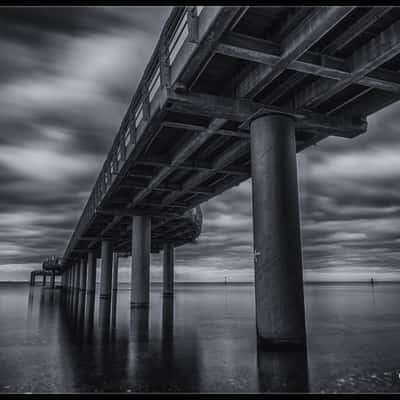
{"x":66,"y":78}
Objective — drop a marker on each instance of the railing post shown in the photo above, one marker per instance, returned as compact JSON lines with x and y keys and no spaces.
{"x":193,"y":26}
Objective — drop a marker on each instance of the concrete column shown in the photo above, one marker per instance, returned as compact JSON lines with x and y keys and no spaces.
{"x":91,"y":272}
{"x":77,"y":276}
{"x":64,"y":279}
{"x":44,"y":279}
{"x":106,"y":269}
{"x":83,"y":273}
{"x":140,"y":271}
{"x":168,"y":269}
{"x":32,"y":281}
{"x":276,"y":229}
{"x":52,"y":279}
{"x":115,"y":272}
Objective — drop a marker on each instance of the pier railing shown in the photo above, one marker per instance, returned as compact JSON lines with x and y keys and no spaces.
{"x":180,"y":27}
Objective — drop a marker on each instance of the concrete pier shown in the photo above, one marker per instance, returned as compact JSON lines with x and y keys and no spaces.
{"x":140,"y":272}
{"x":52,"y":279}
{"x":168,"y":269}
{"x":280,"y":313}
{"x":83,"y":274}
{"x":76,"y":283}
{"x":106,"y":269}
{"x":44,"y":280}
{"x":91,"y":272}
{"x":115,"y":272}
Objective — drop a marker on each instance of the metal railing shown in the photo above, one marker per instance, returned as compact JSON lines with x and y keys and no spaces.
{"x":174,"y":35}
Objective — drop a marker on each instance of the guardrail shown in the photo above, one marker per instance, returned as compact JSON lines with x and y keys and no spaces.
{"x":178,"y":28}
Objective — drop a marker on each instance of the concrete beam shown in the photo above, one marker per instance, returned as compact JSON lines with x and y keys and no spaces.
{"x":366,"y":59}
{"x":322,"y":65}
{"x":294,"y":45}
{"x":185,"y":152}
{"x":199,"y":128}
{"x":244,"y":110}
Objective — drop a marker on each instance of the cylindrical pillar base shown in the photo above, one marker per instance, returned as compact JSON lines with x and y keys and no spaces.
{"x":106,"y":269}
{"x":83,"y":273}
{"x":280,"y":313}
{"x":91,"y":272}
{"x":140,"y":272}
{"x":168,"y":270}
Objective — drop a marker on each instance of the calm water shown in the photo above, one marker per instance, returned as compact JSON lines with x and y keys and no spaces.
{"x":203,"y":340}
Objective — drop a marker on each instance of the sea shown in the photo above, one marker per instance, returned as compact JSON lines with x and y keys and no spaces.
{"x":201,"y":340}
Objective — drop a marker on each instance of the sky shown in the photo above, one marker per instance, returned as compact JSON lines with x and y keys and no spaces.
{"x":66,"y":79}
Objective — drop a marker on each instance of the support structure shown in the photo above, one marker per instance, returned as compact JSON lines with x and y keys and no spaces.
{"x":106,"y":269}
{"x":44,"y":280}
{"x":83,"y":273}
{"x":91,"y":272}
{"x":168,"y":269}
{"x":115,"y":272}
{"x":76,"y":281}
{"x":140,"y":272}
{"x":276,"y":227}
{"x":52,"y":279}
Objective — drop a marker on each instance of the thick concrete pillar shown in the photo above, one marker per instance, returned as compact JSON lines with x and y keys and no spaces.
{"x":106,"y":269}
{"x":276,"y":228}
{"x":83,"y":273}
{"x":115,"y":272}
{"x":140,"y":272}
{"x":44,"y":279}
{"x":91,"y":272}
{"x":32,"y":281}
{"x":52,"y":279}
{"x":168,"y":269}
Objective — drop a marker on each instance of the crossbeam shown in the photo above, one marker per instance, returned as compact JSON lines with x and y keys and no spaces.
{"x":293,"y":45}
{"x":366,"y":59}
{"x":244,"y":109}
{"x":322,"y":65}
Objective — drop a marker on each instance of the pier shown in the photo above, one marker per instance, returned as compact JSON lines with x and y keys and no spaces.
{"x":232,"y":93}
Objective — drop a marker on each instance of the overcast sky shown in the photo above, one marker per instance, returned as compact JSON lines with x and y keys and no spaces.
{"x":66,"y":79}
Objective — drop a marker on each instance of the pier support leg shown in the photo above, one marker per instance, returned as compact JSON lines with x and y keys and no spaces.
{"x":83,"y":274}
{"x":276,"y":227}
{"x":44,"y":280}
{"x":32,"y":281}
{"x":52,"y":279}
{"x":91,"y":272}
{"x":168,"y":269}
{"x":76,"y":280}
{"x":140,"y":272}
{"x":106,"y":269}
{"x":115,"y":272}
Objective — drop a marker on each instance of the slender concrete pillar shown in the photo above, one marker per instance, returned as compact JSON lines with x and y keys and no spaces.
{"x":77,"y":276}
{"x":276,"y":228}
{"x":140,"y":272}
{"x":91,"y":272}
{"x":115,"y":272}
{"x":168,"y":269}
{"x":64,"y":279}
{"x":83,"y":274}
{"x":52,"y":279}
{"x":106,"y":269}
{"x":32,"y":281}
{"x":44,"y":279}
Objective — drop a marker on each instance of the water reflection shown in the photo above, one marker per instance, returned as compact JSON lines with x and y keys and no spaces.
{"x":203,"y":340}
